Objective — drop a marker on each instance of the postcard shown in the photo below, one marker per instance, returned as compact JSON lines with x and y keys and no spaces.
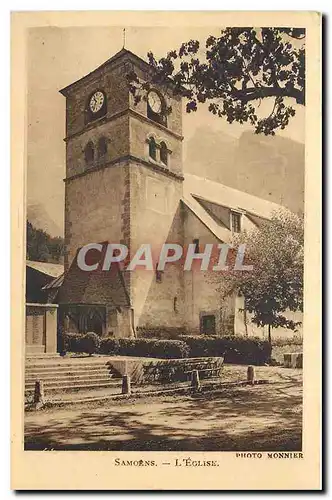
{"x":166,"y":250}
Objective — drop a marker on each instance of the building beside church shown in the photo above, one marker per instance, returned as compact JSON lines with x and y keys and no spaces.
{"x":38,"y":276}
{"x":41,"y":311}
{"x":125,"y":184}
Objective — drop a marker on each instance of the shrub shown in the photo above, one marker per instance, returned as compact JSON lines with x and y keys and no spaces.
{"x":78,"y":342}
{"x":109,"y":345}
{"x":252,"y":350}
{"x":241,"y":350}
{"x":204,"y":346}
{"x":147,"y":348}
{"x":71,"y":341}
{"x":234,"y":349}
{"x":163,"y":332}
{"x":286,"y":341}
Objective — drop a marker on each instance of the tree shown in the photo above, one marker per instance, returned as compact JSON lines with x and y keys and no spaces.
{"x":42,"y":247}
{"x":275,"y":283}
{"x":234,"y":73}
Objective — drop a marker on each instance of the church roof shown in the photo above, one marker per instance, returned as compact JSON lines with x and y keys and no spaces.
{"x":94,"y":287}
{"x":206,"y":199}
{"x":218,"y":212}
{"x":122,"y":53}
{"x":48,"y":268}
{"x":56,"y":283}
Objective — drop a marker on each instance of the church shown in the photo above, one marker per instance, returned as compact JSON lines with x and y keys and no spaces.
{"x":125,"y":184}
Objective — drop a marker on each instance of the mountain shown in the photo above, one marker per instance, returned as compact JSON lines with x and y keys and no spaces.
{"x":209,"y":153}
{"x":269,"y":167}
{"x":41,"y":219}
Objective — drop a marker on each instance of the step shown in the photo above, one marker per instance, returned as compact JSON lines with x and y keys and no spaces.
{"x":49,"y":378}
{"x":66,"y":369}
{"x":66,"y":364}
{"x":67,"y":374}
{"x":41,"y":355}
{"x":73,"y":383}
{"x":76,"y":388}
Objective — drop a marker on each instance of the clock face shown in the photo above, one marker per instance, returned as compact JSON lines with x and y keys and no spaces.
{"x":155,"y":102}
{"x":96,"y":101}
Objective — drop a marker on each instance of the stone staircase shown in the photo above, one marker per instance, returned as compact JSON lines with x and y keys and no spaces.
{"x":70,"y":378}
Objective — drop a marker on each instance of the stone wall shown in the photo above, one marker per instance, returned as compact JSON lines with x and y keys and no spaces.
{"x":202,"y":295}
{"x":119,"y":323}
{"x":174,"y":119}
{"x":41,"y":328}
{"x":278,"y":351}
{"x":156,"y":219}
{"x":94,"y":209}
{"x":116,"y":135}
{"x":140,"y":133}
{"x":112,"y":80}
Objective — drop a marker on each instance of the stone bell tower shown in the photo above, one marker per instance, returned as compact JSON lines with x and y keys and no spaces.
{"x":124,"y":176}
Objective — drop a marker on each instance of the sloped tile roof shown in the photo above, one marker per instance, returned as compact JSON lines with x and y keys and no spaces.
{"x":56,"y":283}
{"x":94,"y":287}
{"x":222,"y":195}
{"x":54,"y":270}
{"x":206,"y":199}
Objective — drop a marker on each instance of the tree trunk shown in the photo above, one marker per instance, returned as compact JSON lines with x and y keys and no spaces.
{"x":269,"y":334}
{"x":245,"y":320}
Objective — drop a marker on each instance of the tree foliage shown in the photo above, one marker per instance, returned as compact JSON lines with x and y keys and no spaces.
{"x":42,"y":247}
{"x":234,"y":73}
{"x":275,"y":284}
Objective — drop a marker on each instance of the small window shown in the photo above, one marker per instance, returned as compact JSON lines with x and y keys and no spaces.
{"x":208,"y":324}
{"x":163,"y":153}
{"x":89,"y":152}
{"x":152,"y":148}
{"x":236,"y":222}
{"x":102,"y":147}
{"x":196,"y":243}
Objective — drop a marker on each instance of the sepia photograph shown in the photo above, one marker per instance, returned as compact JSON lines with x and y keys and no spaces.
{"x":165,"y":241}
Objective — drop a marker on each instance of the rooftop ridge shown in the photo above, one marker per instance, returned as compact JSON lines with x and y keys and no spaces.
{"x":121,"y":53}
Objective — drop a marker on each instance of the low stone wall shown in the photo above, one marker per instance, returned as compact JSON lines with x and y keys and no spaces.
{"x":278,"y":351}
{"x":148,"y":370}
{"x":293,"y":360}
{"x":127,"y":366}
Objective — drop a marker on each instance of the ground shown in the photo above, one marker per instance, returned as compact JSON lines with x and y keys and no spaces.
{"x":255,"y":418}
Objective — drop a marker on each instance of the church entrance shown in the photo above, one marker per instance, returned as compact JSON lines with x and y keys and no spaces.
{"x":94,"y":322}
{"x":83,"y":318}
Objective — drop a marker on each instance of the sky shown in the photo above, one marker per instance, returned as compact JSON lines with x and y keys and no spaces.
{"x":57,"y":57}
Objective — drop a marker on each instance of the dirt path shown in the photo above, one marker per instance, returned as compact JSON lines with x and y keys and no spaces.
{"x":266,"y":417}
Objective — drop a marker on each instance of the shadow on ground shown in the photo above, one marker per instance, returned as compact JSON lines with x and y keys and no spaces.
{"x":256,"y":418}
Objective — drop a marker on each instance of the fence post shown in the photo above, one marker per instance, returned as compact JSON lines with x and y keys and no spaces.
{"x":39,"y":398}
{"x":126,"y":385}
{"x":195,"y":382}
{"x":251,"y":375}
